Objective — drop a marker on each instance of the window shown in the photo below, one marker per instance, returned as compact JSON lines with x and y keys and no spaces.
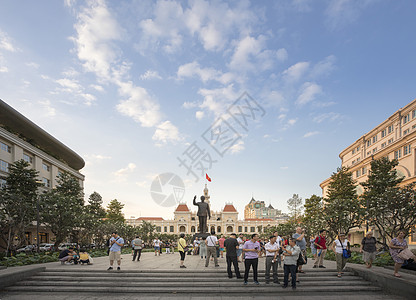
{"x":353,"y":151}
{"x":27,"y":158}
{"x":245,"y":229}
{"x":358,"y":148}
{"x":240,"y":228}
{"x":357,"y":173}
{"x":45,"y":167}
{"x":368,"y":153}
{"x":5,"y":147}
{"x":165,"y":229}
{"x":252,"y":229}
{"x":158,"y":229}
{"x":414,"y":126}
{"x":364,"y":170}
{"x":353,"y":162}
{"x":3,"y":183}
{"x":390,"y":141}
{"x":398,"y":154}
{"x":390,"y":129}
{"x":4,"y":166}
{"x":375,"y":150}
{"x":46,"y":182}
{"x":406,"y":118}
{"x":368,"y":143}
{"x":406,"y":150}
{"x":374,"y":139}
{"x":414,"y":114}
{"x":358,"y":160}
{"x":171,"y":229}
{"x":383,"y":145}
{"x":383,"y":133}
{"x":406,"y":131}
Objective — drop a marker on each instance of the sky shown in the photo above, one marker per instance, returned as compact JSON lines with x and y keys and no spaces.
{"x":260,"y":95}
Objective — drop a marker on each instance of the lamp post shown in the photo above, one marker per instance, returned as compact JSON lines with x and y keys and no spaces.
{"x":37,"y":217}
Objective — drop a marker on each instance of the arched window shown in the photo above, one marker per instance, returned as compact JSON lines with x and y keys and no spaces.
{"x":219,"y":229}
{"x":182,"y":229}
{"x":193,"y":229}
{"x":229,"y":229}
{"x":212,"y":228}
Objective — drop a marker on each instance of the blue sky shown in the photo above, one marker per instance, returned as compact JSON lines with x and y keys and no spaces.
{"x":131,"y":85}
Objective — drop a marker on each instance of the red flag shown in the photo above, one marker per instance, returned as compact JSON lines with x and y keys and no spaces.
{"x":209,"y":179}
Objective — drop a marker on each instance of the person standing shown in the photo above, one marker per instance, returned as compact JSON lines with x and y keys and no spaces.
{"x":182,"y":249}
{"x":240,"y":241}
{"x":137,"y":244}
{"x":251,"y":249}
{"x":156,"y":245}
{"x":396,"y":246}
{"x":231,"y":245}
{"x":167,"y":246}
{"x":116,"y":242}
{"x":338,"y":247}
{"x":221,"y":243}
{"x":291,"y":253}
{"x":320,"y":243}
{"x":272,"y":251}
{"x":313,"y":247}
{"x":203,"y":248}
{"x":212,"y":242}
{"x":279,"y":245}
{"x":299,"y":236}
{"x":368,"y":249}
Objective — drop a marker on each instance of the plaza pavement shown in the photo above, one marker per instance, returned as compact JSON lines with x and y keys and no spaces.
{"x":149,"y":261}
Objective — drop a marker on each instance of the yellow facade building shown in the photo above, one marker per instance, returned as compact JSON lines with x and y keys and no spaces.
{"x":394,"y":138}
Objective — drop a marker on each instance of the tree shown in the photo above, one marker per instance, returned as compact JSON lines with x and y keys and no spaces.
{"x":18,"y":202}
{"x":146,"y":231}
{"x":114,"y":211}
{"x":312,"y":218}
{"x":295,"y":206}
{"x":389,"y":207}
{"x":62,"y":207}
{"x":342,"y":210}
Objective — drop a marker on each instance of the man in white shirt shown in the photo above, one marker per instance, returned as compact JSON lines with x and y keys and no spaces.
{"x":156,"y":244}
{"x":212,"y":242}
{"x":271,"y":250}
{"x":279,"y":245}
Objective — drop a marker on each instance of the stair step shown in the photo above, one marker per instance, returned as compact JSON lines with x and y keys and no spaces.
{"x":200,"y":284}
{"x":250,"y":289}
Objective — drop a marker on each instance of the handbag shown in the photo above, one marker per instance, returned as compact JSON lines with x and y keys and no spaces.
{"x":345,"y":252}
{"x":406,"y":254}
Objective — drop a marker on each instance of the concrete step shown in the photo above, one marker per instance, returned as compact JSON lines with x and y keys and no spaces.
{"x":201,"y":284}
{"x":74,"y":268}
{"x":239,"y":290}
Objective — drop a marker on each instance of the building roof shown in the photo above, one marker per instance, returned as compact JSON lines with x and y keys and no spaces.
{"x":150,"y":219}
{"x":229,"y":208}
{"x":258,"y":220}
{"x":17,"y":123}
{"x":271,"y":207}
{"x":182,"y":207}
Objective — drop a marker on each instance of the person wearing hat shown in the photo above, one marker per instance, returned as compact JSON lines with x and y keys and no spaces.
{"x":338,"y":247}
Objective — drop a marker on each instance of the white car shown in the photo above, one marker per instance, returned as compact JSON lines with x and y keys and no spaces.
{"x":45,"y":247}
{"x":67,"y":245}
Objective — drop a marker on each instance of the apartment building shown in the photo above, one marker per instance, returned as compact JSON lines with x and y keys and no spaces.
{"x":394,"y":138}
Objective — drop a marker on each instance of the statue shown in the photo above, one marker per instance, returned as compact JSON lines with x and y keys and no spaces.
{"x":203,"y":212}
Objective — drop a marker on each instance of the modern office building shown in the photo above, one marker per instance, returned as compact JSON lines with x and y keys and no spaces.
{"x":20,"y":138}
{"x":223,"y":222}
{"x":394,"y":138}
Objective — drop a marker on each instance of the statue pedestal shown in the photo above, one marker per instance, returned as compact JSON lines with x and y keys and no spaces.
{"x":200,"y":235}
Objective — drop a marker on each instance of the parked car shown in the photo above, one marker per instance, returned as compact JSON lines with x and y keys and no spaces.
{"x":45,"y":247}
{"x":27,"y":249}
{"x":67,"y":245}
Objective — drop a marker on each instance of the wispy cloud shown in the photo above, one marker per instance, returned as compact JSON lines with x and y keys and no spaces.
{"x":237,"y":148}
{"x":296,"y":71}
{"x":121,"y":174}
{"x":309,"y":91}
{"x":166,"y":132}
{"x":310,"y":134}
{"x":150,"y":74}
{"x":331,"y":116}
{"x":343,"y":12}
{"x":6,"y":42}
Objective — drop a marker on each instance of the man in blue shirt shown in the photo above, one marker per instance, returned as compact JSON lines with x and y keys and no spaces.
{"x":116,"y":243}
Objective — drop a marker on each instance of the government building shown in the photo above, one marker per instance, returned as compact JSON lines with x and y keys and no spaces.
{"x":394,"y":138}
{"x":223,"y":222}
{"x":20,"y":138}
{"x":257,"y":209}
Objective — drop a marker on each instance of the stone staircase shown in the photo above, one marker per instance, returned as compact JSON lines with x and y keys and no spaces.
{"x":190,"y":282}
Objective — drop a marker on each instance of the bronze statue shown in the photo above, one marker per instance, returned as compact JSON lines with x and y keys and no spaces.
{"x":203,"y":212}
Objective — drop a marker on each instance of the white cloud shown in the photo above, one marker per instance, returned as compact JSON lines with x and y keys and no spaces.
{"x":289,"y":123}
{"x":199,"y":115}
{"x":122,"y":174}
{"x":194,"y":69}
{"x":217,"y":100}
{"x":69,"y":85}
{"x":166,"y":132}
{"x":6,"y":43}
{"x":295,"y":72}
{"x":343,"y":12}
{"x":281,"y":54}
{"x":139,"y":105}
{"x":3,"y":69}
{"x":149,"y":74}
{"x":331,"y":116}
{"x":284,"y":168}
{"x":142,"y":184}
{"x":324,"y":67}
{"x":237,"y":148}
{"x":47,"y":108}
{"x":32,"y":65}
{"x":97,"y":87}
{"x":311,"y":133}
{"x":188,"y":105}
{"x":309,"y":91}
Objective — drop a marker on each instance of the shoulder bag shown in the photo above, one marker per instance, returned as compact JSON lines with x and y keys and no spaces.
{"x":345,"y":252}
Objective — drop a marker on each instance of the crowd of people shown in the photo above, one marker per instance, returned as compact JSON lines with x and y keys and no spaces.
{"x":287,"y":252}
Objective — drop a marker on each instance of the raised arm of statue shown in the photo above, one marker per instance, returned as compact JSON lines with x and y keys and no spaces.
{"x":195,"y":201}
